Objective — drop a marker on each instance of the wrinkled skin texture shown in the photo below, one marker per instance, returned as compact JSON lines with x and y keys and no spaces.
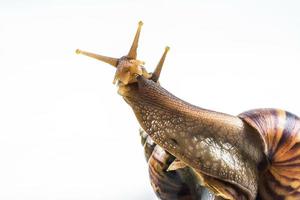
{"x":216,"y":145}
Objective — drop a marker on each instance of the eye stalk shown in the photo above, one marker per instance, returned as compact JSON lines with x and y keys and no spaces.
{"x":156,"y":73}
{"x":129,"y":67}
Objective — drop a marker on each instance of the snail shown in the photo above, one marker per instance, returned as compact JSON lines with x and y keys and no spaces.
{"x":195,"y":153}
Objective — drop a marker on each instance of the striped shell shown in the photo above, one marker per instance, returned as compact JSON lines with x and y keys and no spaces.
{"x":280,"y":133}
{"x":179,"y":184}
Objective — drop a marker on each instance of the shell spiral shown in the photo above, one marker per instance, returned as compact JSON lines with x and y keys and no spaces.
{"x":280,"y":134}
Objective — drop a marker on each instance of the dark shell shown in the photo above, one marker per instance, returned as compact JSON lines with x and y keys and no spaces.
{"x":280,"y":133}
{"x":179,"y":184}
{"x":166,"y":184}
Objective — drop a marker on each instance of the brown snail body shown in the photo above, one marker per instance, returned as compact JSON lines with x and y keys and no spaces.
{"x":194,"y":153}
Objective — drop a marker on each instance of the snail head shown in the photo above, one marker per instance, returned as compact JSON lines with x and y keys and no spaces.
{"x":128,"y":67}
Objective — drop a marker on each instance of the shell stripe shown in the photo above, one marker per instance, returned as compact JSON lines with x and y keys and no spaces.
{"x":166,"y":184}
{"x":280,"y":131}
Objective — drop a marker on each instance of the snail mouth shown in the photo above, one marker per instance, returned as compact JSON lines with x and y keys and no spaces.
{"x":127,"y":71}
{"x":133,"y":90}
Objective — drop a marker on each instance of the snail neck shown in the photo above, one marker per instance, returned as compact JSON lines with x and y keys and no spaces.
{"x":152,"y":103}
{"x":170,"y":120}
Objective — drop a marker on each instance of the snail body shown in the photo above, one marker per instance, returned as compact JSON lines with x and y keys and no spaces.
{"x":195,"y":153}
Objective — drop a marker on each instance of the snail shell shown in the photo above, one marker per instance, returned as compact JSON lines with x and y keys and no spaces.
{"x":280,"y":135}
{"x":179,"y":184}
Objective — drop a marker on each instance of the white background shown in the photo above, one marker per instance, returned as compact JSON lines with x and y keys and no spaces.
{"x":64,"y":131}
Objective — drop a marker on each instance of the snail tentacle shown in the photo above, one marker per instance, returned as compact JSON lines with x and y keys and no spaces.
{"x":157,"y":71}
{"x":133,"y":50}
